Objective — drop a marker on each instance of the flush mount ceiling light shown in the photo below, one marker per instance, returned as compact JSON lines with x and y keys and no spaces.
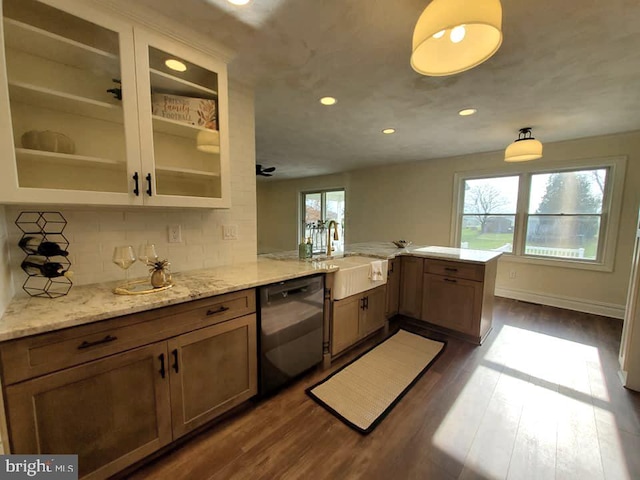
{"x":465,"y":112}
{"x":452,"y":36}
{"x":208,"y":141}
{"x":524,"y":148}
{"x":176,"y":65}
{"x":239,"y":2}
{"x":328,"y":101}
{"x":389,"y":131}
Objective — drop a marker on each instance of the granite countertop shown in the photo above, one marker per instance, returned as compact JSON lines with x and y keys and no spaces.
{"x":84,"y":304}
{"x":387,"y":250}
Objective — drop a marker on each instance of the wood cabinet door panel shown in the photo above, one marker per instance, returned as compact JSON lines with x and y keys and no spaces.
{"x":411,"y":286}
{"x":373,"y":317}
{"x":212,"y":370}
{"x":452,"y":303}
{"x":345,"y":326}
{"x":393,"y":288}
{"x":470,"y":271}
{"x":111,"y":412}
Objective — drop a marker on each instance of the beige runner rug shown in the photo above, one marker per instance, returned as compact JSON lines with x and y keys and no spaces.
{"x":364,"y":391}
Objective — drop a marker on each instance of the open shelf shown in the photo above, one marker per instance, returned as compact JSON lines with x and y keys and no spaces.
{"x":65,"y":158}
{"x":65,"y":102}
{"x":35,"y":41}
{"x":173,"y":127}
{"x":165,"y":83}
{"x":186,"y":172}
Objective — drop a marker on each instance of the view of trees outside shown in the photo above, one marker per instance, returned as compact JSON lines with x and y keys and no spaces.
{"x":320,"y":208}
{"x":488,"y":218}
{"x":565,"y":211}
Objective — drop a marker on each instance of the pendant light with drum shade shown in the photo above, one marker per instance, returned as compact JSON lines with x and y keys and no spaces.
{"x":524,"y":148}
{"x":452,"y":36}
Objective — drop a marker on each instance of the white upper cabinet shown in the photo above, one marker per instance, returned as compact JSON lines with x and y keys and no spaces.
{"x":90,"y":113}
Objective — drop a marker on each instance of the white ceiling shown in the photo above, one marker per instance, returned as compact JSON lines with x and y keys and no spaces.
{"x":567,"y":68}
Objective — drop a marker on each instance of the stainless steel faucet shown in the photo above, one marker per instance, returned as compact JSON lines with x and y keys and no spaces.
{"x":335,"y":235}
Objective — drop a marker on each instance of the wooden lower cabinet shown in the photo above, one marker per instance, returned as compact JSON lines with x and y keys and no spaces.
{"x":355,"y":317}
{"x":411,"y":286}
{"x":115,"y":410}
{"x":453,"y":303}
{"x":111,"y":412}
{"x":212,"y":370}
{"x":393,"y":288}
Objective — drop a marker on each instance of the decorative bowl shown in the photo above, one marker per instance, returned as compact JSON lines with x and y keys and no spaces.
{"x":401,"y":243}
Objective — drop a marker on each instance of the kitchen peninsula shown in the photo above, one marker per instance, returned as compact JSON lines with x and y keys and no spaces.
{"x":72,"y":366}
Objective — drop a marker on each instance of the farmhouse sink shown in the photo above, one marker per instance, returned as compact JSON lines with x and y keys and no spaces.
{"x":353,"y":276}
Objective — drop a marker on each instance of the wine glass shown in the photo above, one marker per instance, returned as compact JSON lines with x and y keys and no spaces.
{"x":124,"y":257}
{"x":147,"y":253}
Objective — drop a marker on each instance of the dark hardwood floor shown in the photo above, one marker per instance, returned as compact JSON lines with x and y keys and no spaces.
{"x":541,"y":399}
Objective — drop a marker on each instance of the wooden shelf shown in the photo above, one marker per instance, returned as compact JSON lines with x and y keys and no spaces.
{"x":165,"y":83}
{"x":65,"y":158}
{"x":65,"y":102}
{"x":35,"y":41}
{"x":186,"y":172}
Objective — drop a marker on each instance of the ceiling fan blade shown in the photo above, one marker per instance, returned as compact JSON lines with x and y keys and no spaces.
{"x":270,"y":169}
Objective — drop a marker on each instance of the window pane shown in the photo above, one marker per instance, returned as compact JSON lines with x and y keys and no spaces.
{"x":488,"y":232}
{"x":489,"y":213}
{"x":491,"y":195}
{"x":567,"y":192}
{"x":312,"y":207}
{"x":335,"y":206}
{"x":563,"y":236}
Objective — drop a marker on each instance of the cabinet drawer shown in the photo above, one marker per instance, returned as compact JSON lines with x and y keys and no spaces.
{"x":470,"y":271}
{"x":33,"y":356}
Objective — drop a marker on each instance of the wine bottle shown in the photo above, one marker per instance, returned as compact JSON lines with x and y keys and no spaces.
{"x":32,"y":246}
{"x":46,"y":269}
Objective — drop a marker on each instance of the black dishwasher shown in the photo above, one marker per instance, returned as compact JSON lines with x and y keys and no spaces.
{"x":291,"y":325}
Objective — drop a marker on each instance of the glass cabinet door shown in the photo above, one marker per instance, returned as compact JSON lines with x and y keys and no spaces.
{"x":71,"y":86}
{"x":183,"y":124}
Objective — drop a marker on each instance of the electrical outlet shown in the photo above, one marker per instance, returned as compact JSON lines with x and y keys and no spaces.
{"x":512,"y":274}
{"x":174,"y":232}
{"x":230,"y":232}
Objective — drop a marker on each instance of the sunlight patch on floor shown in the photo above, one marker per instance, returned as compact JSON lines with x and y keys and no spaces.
{"x":536,"y":406}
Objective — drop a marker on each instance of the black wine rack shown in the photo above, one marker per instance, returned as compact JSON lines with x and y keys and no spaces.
{"x":44,"y":228}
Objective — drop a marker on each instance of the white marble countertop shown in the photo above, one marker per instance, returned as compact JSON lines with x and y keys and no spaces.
{"x":84,"y":304}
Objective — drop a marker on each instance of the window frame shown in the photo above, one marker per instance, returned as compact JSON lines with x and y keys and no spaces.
{"x":610,"y":217}
{"x":323,"y":200}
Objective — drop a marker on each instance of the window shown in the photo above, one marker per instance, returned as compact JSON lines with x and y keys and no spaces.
{"x":565,"y":214}
{"x":317,"y":210}
{"x":489,"y":213}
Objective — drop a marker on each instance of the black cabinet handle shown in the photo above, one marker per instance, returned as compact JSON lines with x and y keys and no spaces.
{"x":175,"y":359}
{"x":449,"y":269}
{"x":163,"y":372}
{"x":148,"y":177}
{"x":390,"y":271}
{"x":366,"y":302}
{"x":362,"y":303}
{"x":136,"y":189}
{"x":106,"y":339}
{"x":220,"y":310}
{"x":450,"y":280}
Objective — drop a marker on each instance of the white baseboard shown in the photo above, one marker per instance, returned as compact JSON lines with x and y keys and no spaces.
{"x":578,"y":304}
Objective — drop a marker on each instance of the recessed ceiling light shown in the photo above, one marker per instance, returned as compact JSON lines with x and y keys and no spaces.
{"x":328,"y":101}
{"x":465,"y":112}
{"x":389,"y":131}
{"x":176,"y":65}
{"x":239,"y":2}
